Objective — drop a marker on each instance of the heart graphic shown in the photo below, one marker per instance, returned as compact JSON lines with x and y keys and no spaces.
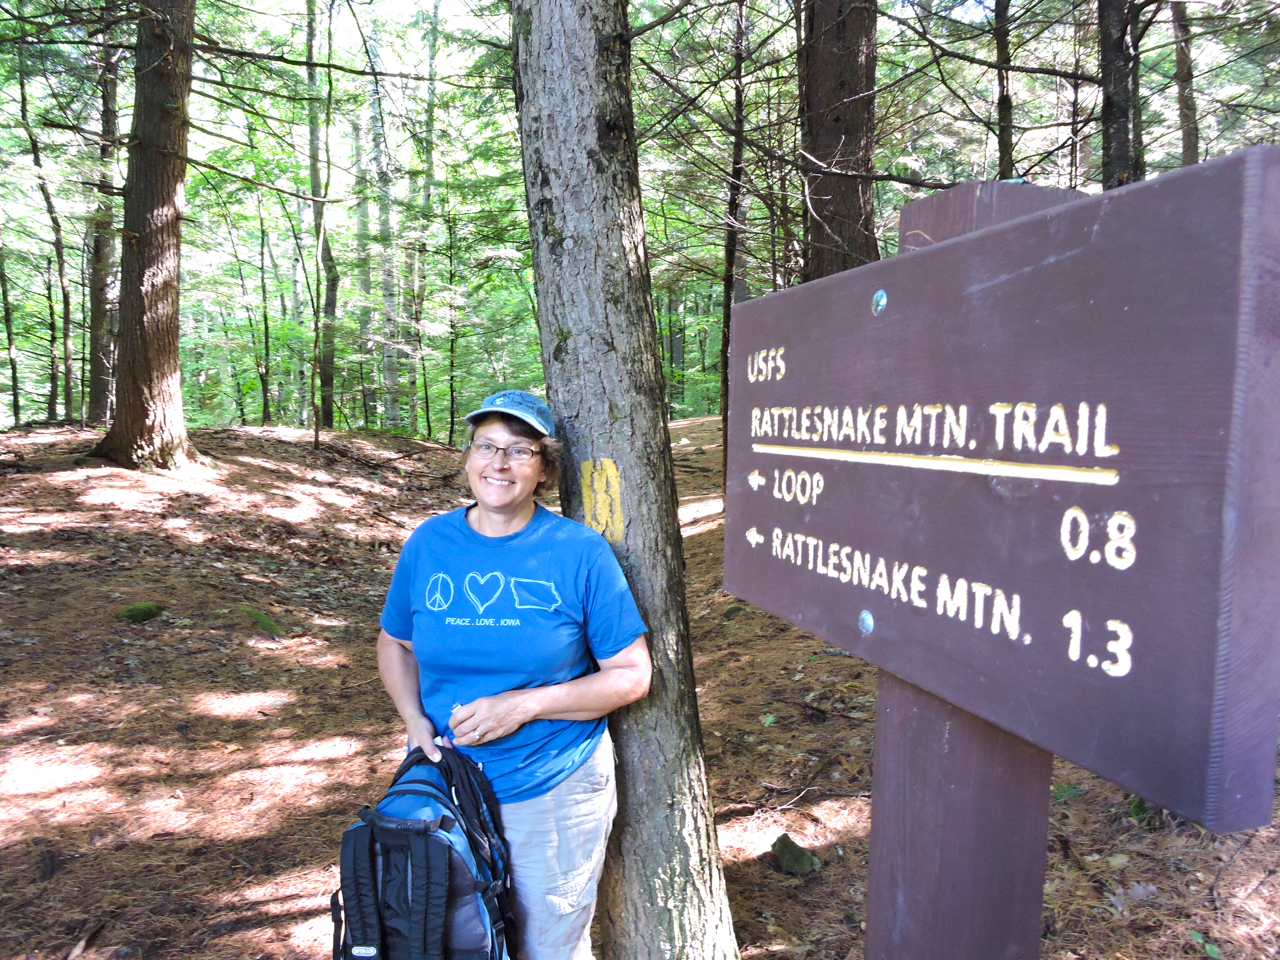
{"x":477,"y":586}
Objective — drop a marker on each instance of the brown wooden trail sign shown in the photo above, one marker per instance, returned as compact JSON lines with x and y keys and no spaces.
{"x":1035,"y":471}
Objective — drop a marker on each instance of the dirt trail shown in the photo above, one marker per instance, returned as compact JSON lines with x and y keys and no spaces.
{"x":177,"y":788}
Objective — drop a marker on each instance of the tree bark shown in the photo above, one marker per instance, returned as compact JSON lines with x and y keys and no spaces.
{"x":59,"y":251}
{"x":1137,"y":147}
{"x":325,"y":335}
{"x":12,"y":344}
{"x":364,"y":271}
{"x":1113,"y":62}
{"x":390,"y":322}
{"x":103,"y":290}
{"x":1004,"y":98}
{"x":149,"y":426}
{"x":733,"y":219}
{"x":51,"y":410}
{"x":838,"y":68}
{"x":1184,"y":73}
{"x":663,"y":893}
{"x":264,"y":364}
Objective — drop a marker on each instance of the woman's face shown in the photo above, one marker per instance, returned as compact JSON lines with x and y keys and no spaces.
{"x":498,"y":484}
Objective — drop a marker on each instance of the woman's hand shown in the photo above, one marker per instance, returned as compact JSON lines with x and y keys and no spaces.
{"x":422,"y":733}
{"x":491,"y":718}
{"x":621,"y":679}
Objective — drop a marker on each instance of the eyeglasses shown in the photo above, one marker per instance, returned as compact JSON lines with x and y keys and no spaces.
{"x":483,"y":450}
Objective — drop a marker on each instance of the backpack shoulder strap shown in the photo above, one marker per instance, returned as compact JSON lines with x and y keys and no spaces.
{"x":428,"y":898}
{"x":360,"y":892}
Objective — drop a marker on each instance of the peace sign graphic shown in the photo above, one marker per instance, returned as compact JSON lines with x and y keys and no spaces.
{"x":439,"y":592}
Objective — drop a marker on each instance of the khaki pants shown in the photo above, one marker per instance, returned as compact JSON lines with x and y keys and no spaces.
{"x":557,"y":846}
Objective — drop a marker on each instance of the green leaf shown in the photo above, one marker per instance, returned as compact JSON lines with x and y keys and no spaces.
{"x":1212,"y":951}
{"x":1062,"y":792}
{"x":264,"y":622}
{"x":141,"y":612}
{"x":1196,"y":936}
{"x":768,"y":719}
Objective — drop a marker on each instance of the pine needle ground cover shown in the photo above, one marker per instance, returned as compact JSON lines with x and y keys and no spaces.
{"x":177,"y":787}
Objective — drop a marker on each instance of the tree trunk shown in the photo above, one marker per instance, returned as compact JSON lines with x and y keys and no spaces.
{"x":264,"y":365}
{"x":390,"y":323}
{"x":103,"y":291}
{"x":235,"y":372}
{"x":149,"y":425}
{"x":733,"y":218}
{"x":838,"y":67}
{"x":51,"y":410}
{"x":325,"y":335}
{"x":8,"y":330}
{"x":451,"y":235}
{"x":1138,"y":158}
{"x":663,"y":893}
{"x":1183,"y":75}
{"x":364,"y":271}
{"x":59,"y":249}
{"x":1004,"y":98}
{"x":1113,"y":60}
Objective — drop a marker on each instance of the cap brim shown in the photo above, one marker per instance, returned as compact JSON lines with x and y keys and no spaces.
{"x":527,"y":418}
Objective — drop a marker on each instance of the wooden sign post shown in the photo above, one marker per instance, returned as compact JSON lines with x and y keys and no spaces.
{"x":1033,"y":473}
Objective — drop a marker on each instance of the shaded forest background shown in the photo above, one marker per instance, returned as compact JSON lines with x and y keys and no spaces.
{"x":397,"y":124}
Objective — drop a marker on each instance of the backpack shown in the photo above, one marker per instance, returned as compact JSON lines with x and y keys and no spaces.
{"x":425,"y":874}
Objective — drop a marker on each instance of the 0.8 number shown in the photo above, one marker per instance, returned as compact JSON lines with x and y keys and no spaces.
{"x":1119,"y":550}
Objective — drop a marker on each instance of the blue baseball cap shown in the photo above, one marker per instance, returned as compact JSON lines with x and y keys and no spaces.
{"x":524,"y":406}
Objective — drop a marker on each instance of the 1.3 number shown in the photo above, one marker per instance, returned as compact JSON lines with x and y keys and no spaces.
{"x":1119,"y":647}
{"x":1119,"y":550}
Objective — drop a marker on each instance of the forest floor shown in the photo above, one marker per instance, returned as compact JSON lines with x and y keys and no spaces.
{"x":178,"y":788}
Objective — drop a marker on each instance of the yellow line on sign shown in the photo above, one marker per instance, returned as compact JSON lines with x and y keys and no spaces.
{"x":1100,"y":476}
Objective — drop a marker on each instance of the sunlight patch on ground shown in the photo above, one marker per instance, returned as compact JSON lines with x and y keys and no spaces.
{"x":698,"y":509}
{"x":335,"y":748}
{"x":841,"y":821}
{"x":240,"y":706}
{"x":23,"y":726}
{"x":19,"y":521}
{"x":43,"y":773}
{"x":63,"y":808}
{"x":313,"y":937}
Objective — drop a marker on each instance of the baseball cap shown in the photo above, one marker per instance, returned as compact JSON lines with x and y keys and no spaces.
{"x":525,"y":406}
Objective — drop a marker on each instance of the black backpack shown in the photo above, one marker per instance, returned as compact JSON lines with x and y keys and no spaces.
{"x":426,"y":874}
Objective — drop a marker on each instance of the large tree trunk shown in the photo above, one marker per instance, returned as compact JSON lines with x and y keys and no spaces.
{"x":663,"y":894}
{"x":1183,"y":75}
{"x":103,"y":291}
{"x":838,"y":79}
{"x":149,"y":426}
{"x":1113,"y":60}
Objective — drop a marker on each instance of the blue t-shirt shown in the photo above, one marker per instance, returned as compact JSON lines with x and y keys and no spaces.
{"x":491,"y":614}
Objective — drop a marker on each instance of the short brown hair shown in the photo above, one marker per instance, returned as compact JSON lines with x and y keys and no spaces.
{"x":549,"y":447}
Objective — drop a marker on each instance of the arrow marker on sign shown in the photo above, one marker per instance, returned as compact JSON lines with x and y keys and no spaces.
{"x":753,"y":535}
{"x":756,"y":480}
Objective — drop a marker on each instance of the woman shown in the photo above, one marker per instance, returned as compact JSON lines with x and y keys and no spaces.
{"x":494,"y":619}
